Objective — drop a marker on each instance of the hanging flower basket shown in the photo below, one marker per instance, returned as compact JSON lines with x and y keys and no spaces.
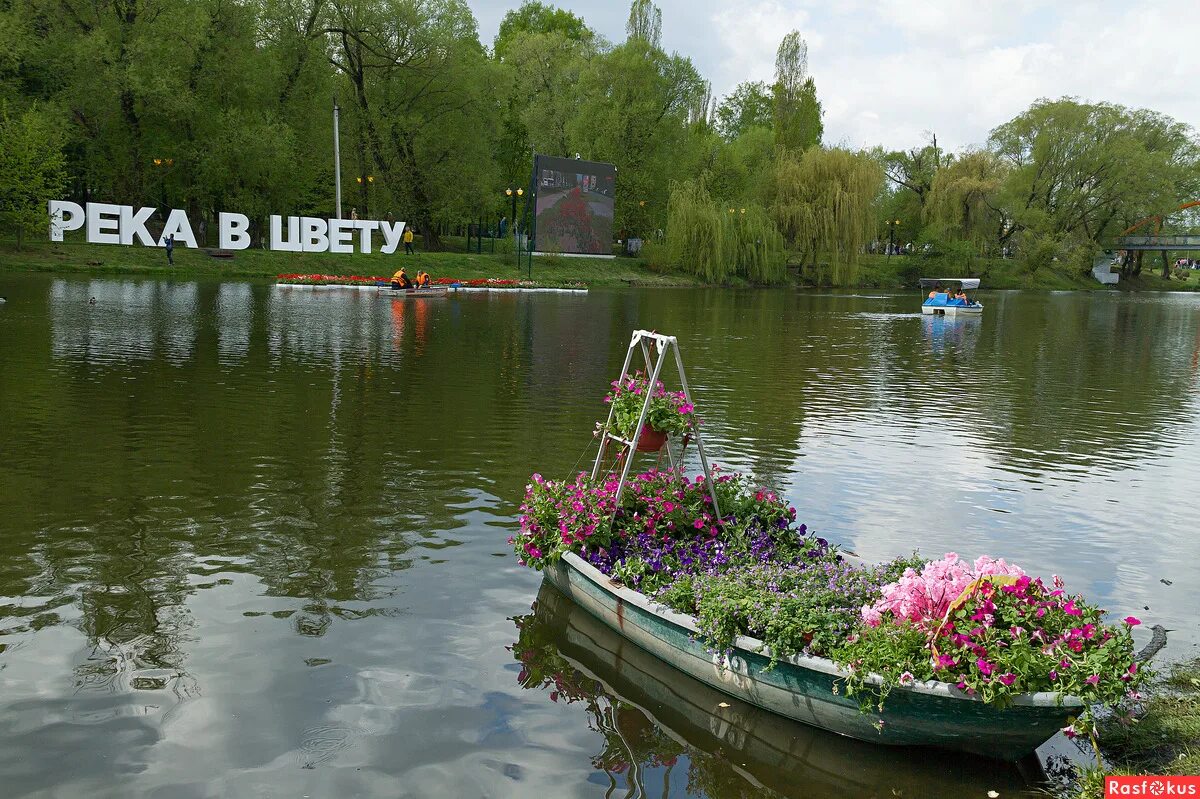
{"x":651,"y":440}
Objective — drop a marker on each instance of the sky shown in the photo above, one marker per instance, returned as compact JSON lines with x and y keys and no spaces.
{"x":891,"y":72}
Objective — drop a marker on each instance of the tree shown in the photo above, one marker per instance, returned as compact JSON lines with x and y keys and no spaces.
{"x":751,"y":104}
{"x":645,"y":24}
{"x":709,"y":239}
{"x":535,"y":17}
{"x":822,"y":202}
{"x":542,"y":75}
{"x":1090,"y":170}
{"x":913,"y":170}
{"x":964,"y":198}
{"x":422,"y":87}
{"x":633,"y":110}
{"x":32,"y":169}
{"x":797,"y":111}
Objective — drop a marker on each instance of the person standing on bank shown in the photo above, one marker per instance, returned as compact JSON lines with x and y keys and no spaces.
{"x":170,"y":245}
{"x":408,"y":240}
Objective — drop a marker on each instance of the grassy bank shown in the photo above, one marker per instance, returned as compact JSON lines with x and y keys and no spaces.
{"x":1164,"y":739}
{"x":100,"y":259}
{"x":873,"y":271}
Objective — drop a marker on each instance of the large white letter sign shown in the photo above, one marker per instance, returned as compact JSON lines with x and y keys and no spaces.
{"x":341,"y":235}
{"x":135,"y":225}
{"x":391,"y":236}
{"x":314,"y":238}
{"x":234,"y":231}
{"x":64,"y":216}
{"x":179,"y":227}
{"x":292,"y":244}
{"x":103,"y":221}
{"x":365,"y":226}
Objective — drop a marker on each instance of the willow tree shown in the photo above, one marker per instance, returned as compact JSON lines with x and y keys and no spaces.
{"x":755,"y":245}
{"x":697,"y":232}
{"x":797,"y":111}
{"x":964,"y":199}
{"x":822,"y":201}
{"x":716,"y":242}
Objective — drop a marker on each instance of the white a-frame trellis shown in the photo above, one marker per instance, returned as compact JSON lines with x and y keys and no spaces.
{"x":654,"y":347}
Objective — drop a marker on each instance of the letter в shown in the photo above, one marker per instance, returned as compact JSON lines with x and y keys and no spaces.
{"x":233,"y":231}
{"x":315,"y":237}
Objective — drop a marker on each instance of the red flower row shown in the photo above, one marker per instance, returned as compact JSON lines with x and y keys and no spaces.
{"x":333,"y":278}
{"x":355,"y":279}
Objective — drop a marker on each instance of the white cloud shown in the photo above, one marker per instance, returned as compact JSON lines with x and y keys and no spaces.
{"x":888,"y":71}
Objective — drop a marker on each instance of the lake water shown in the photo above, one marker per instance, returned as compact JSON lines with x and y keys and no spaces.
{"x":252,"y":539}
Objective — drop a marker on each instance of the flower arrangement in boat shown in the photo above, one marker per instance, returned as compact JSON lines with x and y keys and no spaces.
{"x":994,"y":632}
{"x":669,"y":411}
{"x":985,"y":627}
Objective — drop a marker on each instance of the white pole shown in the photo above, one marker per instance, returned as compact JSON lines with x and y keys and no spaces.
{"x":337,"y":162}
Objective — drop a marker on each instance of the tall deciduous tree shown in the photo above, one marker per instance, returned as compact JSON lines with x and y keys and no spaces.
{"x":751,"y":104}
{"x":535,"y":17}
{"x":798,"y":122}
{"x":422,"y":88}
{"x":32,"y":169}
{"x":645,"y":24}
{"x":964,"y":201}
{"x":1089,"y":170}
{"x":633,"y":110}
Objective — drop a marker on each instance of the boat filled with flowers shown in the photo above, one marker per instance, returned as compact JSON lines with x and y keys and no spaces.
{"x":976,"y":656}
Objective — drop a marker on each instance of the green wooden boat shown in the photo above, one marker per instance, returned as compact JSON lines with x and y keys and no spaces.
{"x":807,"y":689}
{"x":765,"y":749}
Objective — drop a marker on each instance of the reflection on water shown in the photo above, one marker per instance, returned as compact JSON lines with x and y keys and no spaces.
{"x":251,"y":538}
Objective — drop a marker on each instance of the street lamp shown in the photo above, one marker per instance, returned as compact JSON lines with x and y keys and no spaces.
{"x":160,"y":166}
{"x":513,"y":194}
{"x":891,"y":225}
{"x":365,"y":181}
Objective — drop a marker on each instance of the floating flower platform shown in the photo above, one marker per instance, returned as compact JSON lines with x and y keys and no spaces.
{"x":451,"y":284}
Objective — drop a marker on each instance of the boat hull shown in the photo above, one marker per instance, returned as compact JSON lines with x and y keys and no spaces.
{"x":435,"y":291}
{"x":952,"y":310}
{"x":765,"y":748}
{"x":811,"y":690}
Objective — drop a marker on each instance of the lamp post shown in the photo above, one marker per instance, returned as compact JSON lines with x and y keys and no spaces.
{"x":365,"y":182}
{"x":892,"y":225}
{"x":160,"y":166}
{"x":513,"y":194}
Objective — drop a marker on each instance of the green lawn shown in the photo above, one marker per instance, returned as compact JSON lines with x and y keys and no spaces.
{"x":873,"y":271}
{"x":110,"y":259}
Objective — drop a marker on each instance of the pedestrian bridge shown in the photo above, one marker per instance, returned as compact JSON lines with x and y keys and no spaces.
{"x":1157,"y":243}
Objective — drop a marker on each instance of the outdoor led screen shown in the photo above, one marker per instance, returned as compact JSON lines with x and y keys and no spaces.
{"x":573,"y":205}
